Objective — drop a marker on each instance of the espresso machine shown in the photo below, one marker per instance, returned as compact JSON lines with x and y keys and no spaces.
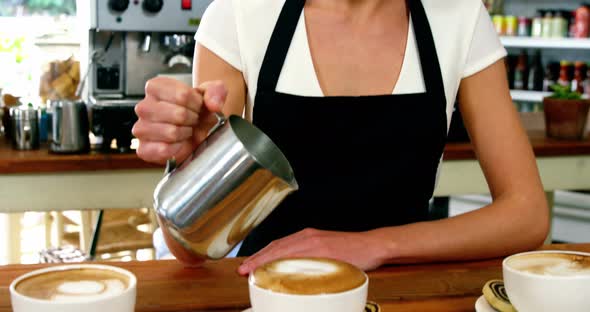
{"x":128,"y":42}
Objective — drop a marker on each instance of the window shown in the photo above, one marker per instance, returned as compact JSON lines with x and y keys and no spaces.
{"x":32,"y":34}
{"x":37,"y":7}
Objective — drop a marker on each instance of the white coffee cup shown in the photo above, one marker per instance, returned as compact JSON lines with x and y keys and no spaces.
{"x":81,"y":294}
{"x":265,"y":300}
{"x":541,"y":281}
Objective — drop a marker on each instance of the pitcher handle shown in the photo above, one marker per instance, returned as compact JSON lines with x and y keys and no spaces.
{"x":221,"y":120}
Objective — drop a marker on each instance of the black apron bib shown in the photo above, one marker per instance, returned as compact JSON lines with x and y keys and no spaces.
{"x":361,"y":162}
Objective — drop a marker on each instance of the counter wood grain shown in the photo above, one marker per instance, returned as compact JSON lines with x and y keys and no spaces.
{"x":168,"y":286}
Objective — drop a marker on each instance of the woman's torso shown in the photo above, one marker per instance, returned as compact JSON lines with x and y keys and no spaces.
{"x":339,"y":145}
{"x":239,"y":31}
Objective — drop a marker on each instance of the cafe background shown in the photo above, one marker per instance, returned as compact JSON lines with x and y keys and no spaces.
{"x":50,"y":199}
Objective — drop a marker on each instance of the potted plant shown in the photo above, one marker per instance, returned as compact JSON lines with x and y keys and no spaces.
{"x":566,"y":114}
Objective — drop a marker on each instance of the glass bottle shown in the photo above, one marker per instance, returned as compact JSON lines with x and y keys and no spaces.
{"x":564,"y":74}
{"x":547,"y":25}
{"x":535,"y":81}
{"x":537,"y":25}
{"x":558,"y":25}
{"x":520,"y":72}
{"x":582,"y":27}
{"x":551,"y":75}
{"x":586,"y":84}
{"x":579,"y":77}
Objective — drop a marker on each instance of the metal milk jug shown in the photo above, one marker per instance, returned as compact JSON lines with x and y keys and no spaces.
{"x":229,"y":185}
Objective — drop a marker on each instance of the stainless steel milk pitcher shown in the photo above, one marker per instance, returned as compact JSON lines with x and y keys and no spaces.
{"x":230,"y":184}
{"x":25,"y":127}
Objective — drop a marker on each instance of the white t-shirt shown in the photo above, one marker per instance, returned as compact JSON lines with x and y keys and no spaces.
{"x":238,"y":31}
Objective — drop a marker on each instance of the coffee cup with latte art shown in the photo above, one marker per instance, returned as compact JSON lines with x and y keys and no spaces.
{"x":308,"y":284}
{"x":548,"y":281}
{"x":74,"y":288}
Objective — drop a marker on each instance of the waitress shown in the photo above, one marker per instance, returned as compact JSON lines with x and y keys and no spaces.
{"x":359,"y":94}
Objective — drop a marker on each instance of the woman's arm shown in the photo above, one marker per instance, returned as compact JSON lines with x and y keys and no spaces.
{"x":210,"y":73}
{"x":207,"y":67}
{"x":516,"y":220}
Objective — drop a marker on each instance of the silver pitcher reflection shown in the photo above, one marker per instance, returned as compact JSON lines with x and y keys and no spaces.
{"x":25,"y":127}
{"x":230,"y":184}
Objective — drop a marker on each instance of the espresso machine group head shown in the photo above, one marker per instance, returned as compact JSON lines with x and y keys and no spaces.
{"x":126,"y":43}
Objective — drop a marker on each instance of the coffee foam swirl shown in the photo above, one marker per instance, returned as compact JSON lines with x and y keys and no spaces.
{"x":552,"y":264}
{"x":76,"y":285}
{"x":85,"y":290}
{"x":304,"y":266}
{"x":308,"y":276}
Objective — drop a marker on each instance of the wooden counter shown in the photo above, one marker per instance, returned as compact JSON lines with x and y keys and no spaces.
{"x":168,"y":286}
{"x":38,"y":161}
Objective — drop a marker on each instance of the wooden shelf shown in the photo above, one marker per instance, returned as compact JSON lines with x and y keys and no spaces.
{"x":542,"y":146}
{"x":545,"y":43}
{"x":41,"y":160}
{"x":528,"y":96}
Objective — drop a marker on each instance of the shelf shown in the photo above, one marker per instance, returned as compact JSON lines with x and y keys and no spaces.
{"x":528,"y":96}
{"x":533,"y":96}
{"x":547,"y":43}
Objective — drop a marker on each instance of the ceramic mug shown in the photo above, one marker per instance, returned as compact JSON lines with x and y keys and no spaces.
{"x":548,"y":281}
{"x":75,"y":288}
{"x":308,"y":284}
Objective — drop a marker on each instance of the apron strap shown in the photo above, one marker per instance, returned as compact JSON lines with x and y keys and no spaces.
{"x":427,"y":50}
{"x":279,"y":44}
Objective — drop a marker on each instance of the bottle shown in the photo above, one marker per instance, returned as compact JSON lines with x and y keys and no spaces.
{"x":510,"y":63}
{"x":572,"y":26}
{"x":499,"y":24}
{"x":586,"y":84}
{"x":551,"y":75}
{"x":558,"y":25}
{"x":520,"y":72}
{"x":547,"y":25}
{"x":511,"y":25}
{"x":564,"y":74}
{"x":524,"y":26}
{"x":535,"y":81}
{"x":582,"y":27}
{"x":579,"y":77}
{"x":537,"y":26}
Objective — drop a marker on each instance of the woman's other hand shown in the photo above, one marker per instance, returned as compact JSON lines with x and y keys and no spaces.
{"x":174,"y":118}
{"x":363,"y":249}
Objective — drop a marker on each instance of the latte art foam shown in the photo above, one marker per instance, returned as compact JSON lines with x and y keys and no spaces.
{"x":87,"y":290}
{"x":552,"y":264}
{"x":76,"y":285}
{"x":304,"y":266}
{"x":308,"y":276}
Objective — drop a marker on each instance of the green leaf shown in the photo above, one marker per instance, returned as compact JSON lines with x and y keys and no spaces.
{"x":564,"y":93}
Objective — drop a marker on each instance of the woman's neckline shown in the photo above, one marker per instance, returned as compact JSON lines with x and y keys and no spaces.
{"x":401,"y":73}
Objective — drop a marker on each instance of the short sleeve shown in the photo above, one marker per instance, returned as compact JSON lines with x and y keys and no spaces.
{"x":485,"y":48}
{"x":218,"y":32}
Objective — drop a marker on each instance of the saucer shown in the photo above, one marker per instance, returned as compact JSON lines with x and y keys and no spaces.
{"x":481,"y":305}
{"x":373,"y":307}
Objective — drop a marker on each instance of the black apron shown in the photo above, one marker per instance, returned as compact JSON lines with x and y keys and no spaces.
{"x":362,"y":162}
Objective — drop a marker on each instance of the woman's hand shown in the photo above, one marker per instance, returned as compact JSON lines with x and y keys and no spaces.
{"x":363,"y":249}
{"x":174,"y":118}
